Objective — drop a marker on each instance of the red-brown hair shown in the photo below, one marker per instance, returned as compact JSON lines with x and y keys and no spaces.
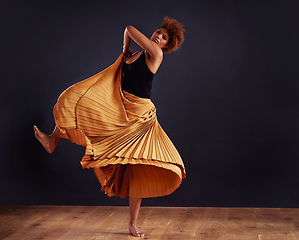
{"x":175,"y":32}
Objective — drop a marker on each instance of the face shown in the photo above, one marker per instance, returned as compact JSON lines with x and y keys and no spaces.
{"x":161,"y":37}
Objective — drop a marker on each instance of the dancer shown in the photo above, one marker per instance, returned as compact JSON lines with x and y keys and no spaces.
{"x":111,"y":114}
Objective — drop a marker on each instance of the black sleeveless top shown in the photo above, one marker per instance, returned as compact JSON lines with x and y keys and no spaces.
{"x":136,"y":78}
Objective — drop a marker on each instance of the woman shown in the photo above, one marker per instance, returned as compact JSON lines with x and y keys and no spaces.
{"x":111,"y":114}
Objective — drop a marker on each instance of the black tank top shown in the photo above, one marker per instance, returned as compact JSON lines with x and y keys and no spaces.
{"x":137,"y":79}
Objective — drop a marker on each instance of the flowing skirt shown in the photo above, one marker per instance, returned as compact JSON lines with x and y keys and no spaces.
{"x":125,"y":146}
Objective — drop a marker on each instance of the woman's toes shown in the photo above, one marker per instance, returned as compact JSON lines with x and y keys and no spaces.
{"x":135,"y":232}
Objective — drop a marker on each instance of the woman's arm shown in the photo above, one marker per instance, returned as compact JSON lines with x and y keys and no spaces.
{"x":126,"y":47}
{"x":151,"y":47}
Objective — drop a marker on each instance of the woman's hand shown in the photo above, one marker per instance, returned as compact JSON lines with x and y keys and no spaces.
{"x":127,"y":52}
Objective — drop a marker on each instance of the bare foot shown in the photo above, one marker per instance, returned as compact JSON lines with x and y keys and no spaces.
{"x":133,"y":229}
{"x":48,"y":142}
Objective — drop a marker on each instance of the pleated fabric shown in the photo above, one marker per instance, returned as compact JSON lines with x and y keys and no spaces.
{"x":125,"y":145}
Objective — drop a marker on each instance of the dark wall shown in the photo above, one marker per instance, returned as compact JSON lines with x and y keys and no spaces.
{"x":228,"y":99}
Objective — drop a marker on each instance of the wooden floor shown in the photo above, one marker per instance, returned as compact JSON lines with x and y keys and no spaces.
{"x":95,"y":223}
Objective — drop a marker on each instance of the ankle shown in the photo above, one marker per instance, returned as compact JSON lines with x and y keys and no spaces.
{"x":54,"y":138}
{"x":132,"y":223}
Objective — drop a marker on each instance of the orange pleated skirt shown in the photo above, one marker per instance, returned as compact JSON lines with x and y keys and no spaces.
{"x":128,"y":150}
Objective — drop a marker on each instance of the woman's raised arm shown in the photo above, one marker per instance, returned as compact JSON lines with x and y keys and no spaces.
{"x":148,"y":45}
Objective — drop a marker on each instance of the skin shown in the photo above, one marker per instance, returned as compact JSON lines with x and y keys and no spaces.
{"x":49,"y":142}
{"x":152,"y":47}
{"x":154,"y":56}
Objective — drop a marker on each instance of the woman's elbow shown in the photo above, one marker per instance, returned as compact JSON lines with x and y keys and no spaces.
{"x":129,"y":28}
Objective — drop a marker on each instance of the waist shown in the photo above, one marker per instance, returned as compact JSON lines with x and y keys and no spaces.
{"x":139,"y":88}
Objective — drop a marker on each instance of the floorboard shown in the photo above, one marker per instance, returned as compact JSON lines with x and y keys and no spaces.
{"x":159,"y":223}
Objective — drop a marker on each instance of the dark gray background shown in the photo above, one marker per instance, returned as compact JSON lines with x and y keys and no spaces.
{"x":228,"y":99}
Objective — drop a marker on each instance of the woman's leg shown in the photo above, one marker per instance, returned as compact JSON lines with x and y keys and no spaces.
{"x":48,"y":141}
{"x":134,"y":211}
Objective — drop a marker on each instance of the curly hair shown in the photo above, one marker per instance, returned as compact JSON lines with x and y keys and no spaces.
{"x":176,"y":34}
